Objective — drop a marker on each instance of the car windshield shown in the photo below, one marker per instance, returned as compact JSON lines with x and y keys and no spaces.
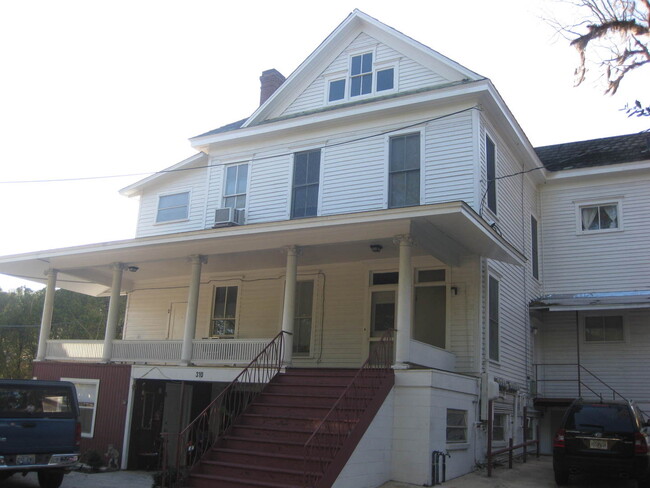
{"x":35,"y":401}
{"x":600,"y":418}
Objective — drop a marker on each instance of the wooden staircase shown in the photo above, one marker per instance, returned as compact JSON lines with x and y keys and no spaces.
{"x":265,"y":447}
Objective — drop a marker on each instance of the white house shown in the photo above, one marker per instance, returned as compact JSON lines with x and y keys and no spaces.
{"x":380,"y":186}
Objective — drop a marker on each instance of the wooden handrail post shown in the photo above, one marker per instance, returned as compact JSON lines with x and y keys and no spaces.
{"x":510,"y":453}
{"x":489,"y":439}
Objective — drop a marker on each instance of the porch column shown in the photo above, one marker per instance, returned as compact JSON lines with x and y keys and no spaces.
{"x":404,"y":317}
{"x":113,"y":312}
{"x":289,"y":308}
{"x":46,"y":318}
{"x":192,"y":308}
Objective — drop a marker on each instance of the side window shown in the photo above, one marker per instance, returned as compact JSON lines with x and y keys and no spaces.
{"x":87,"y":393}
{"x":491,"y":169}
{"x":224,"y":312}
{"x":361,"y":74}
{"x":534,"y":247}
{"x":493,"y":312}
{"x":604,"y":328}
{"x":306,"y":175}
{"x":364,"y":77}
{"x":456,"y":425}
{"x":499,"y":426}
{"x":173,"y":207}
{"x":236,"y":182}
{"x":600,"y":217}
{"x":404,"y":171}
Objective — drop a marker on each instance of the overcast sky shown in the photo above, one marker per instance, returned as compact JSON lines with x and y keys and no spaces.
{"x":99,"y":88}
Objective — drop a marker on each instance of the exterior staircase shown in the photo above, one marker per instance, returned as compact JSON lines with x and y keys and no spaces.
{"x":299,"y":432}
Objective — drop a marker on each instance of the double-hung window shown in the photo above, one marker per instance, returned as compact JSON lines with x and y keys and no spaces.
{"x":306,"y":176}
{"x":224,"y":311}
{"x":234,"y":194}
{"x":173,"y":207}
{"x":493,"y":318}
{"x":456,"y":425}
{"x":404,"y":171}
{"x":303,"y":319}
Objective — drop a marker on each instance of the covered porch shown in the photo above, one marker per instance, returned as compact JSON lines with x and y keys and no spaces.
{"x":333,"y":283}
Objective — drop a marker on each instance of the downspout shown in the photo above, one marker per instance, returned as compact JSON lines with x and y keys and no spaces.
{"x":578,"y":354}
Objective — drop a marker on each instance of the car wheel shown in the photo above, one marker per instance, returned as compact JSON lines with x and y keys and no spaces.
{"x":561,"y":477}
{"x":50,"y":479}
{"x":5,"y":474}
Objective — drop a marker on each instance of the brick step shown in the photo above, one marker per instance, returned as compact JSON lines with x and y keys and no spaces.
{"x":299,"y":379}
{"x":289,"y":422}
{"x":287,"y":399}
{"x":259,"y":459}
{"x":254,"y":472}
{"x":211,"y":481}
{"x":273,"y":445}
{"x":304,"y":389}
{"x":291,"y":410}
{"x":265,"y":432}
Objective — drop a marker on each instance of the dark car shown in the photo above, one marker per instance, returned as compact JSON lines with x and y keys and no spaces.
{"x":602,"y":437}
{"x":39,"y":429}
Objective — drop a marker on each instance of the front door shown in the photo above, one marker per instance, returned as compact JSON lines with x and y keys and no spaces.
{"x":177,"y":312}
{"x":383,"y":307}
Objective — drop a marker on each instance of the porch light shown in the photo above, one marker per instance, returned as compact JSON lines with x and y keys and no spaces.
{"x":376,"y":247}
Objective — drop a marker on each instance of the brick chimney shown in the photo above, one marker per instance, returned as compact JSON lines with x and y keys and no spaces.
{"x":270,"y":80}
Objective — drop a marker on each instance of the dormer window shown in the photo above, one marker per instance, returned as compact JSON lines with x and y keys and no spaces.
{"x":364,"y":78}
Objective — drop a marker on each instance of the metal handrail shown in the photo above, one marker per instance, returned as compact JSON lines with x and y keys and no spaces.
{"x":218,"y":417}
{"x":328,"y":437}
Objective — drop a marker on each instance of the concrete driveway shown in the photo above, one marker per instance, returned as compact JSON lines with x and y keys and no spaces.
{"x":536,"y":473}
{"x":115,"y":479}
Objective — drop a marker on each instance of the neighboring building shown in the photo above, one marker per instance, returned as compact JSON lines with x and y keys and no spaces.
{"x":380,"y":186}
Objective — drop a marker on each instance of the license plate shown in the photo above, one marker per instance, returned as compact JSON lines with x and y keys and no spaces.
{"x":597,"y":444}
{"x":25,"y":459}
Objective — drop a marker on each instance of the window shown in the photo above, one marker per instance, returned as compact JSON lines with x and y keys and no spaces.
{"x":87,"y":393}
{"x":306,"y":174}
{"x":599,"y":217}
{"x":456,"y":425}
{"x":493,"y":311}
{"x":534,"y":243}
{"x":303,"y":318}
{"x":173,"y":207}
{"x":499,"y":426}
{"x":234,"y":193}
{"x":363,"y":78}
{"x":224,"y":312}
{"x":491,"y":169}
{"x":404,"y":171}
{"x":606,"y":328}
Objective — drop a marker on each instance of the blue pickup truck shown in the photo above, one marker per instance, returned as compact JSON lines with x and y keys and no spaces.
{"x":39,"y":429}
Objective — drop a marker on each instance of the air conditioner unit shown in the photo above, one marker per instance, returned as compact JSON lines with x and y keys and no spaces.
{"x":226,"y":217}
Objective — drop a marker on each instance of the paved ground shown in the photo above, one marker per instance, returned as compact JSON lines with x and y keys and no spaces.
{"x":536,"y":473}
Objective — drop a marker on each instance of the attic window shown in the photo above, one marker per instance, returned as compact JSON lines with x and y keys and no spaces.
{"x":173,"y":207}
{"x":364,"y":78}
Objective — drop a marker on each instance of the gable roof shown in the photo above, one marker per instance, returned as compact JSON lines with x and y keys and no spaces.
{"x":356,"y":23}
{"x":596,"y":152}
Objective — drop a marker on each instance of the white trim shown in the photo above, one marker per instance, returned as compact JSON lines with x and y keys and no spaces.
{"x":320,"y":181}
{"x":225,"y":284}
{"x":91,"y":382}
{"x":405,"y":132}
{"x":224,"y":176}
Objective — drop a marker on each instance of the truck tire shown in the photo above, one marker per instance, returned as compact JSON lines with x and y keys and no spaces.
{"x":50,"y":479}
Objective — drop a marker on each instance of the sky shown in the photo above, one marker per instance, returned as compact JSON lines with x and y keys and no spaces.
{"x":113,"y":90}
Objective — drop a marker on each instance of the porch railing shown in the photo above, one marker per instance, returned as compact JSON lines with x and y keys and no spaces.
{"x":329,"y":436}
{"x":210,"y":351}
{"x":571,"y":380}
{"x":216,"y":419}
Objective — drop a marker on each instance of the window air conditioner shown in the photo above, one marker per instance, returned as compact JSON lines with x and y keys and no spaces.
{"x":226,"y":217}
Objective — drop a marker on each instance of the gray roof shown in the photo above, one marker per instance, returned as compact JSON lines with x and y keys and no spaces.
{"x":593,"y":301}
{"x":596,"y":152}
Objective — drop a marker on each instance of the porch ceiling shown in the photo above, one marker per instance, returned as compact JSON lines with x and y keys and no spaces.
{"x":446,"y":231}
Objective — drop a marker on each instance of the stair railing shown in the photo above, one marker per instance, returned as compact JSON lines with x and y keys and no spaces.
{"x":330,"y":434}
{"x":216,"y":419}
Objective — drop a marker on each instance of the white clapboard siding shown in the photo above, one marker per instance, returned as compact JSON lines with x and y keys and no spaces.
{"x":192,"y":181}
{"x":270,"y":182}
{"x":596,"y":262}
{"x":619,"y":365}
{"x":450,"y":164}
{"x":354,"y":177}
{"x":214,"y":197}
{"x":147,"y":314}
{"x":411,"y":75}
{"x":516,"y":202}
